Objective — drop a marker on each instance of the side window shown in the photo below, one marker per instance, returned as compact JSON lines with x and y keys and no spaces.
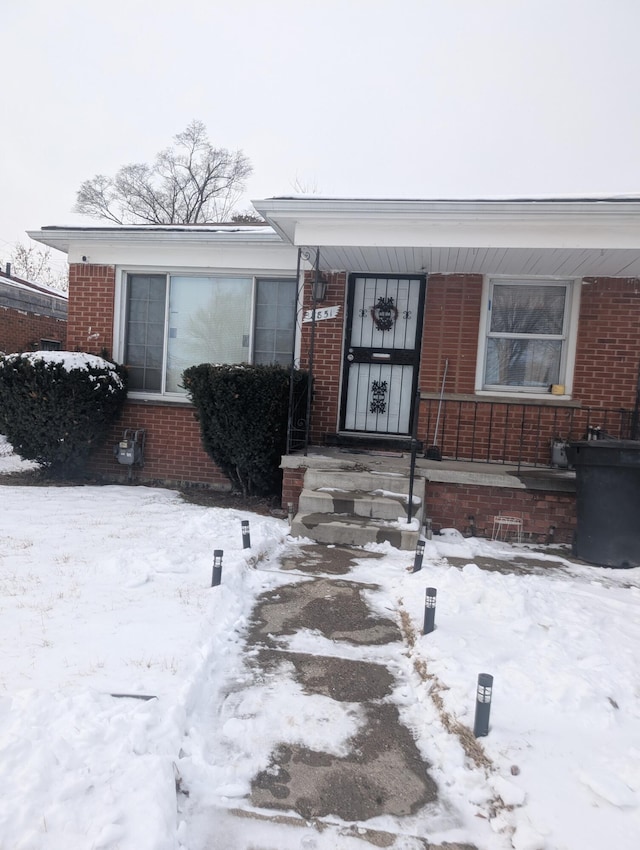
{"x":144,"y":341}
{"x":274,"y":321}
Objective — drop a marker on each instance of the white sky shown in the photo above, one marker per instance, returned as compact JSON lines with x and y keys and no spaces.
{"x":395,"y":98}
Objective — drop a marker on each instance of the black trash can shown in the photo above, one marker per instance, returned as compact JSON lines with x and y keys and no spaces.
{"x":608,"y":501}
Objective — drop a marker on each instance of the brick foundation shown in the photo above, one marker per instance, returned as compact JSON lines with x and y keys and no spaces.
{"x":173,"y":450}
{"x":451,"y":505}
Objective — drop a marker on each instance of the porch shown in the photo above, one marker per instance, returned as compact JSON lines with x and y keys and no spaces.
{"x":460,"y":494}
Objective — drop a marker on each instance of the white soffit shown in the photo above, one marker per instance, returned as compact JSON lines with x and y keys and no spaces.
{"x":553,"y":237}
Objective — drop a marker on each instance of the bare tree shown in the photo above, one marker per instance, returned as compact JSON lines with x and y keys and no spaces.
{"x":305,"y":187}
{"x":36,"y":265}
{"x":189,"y":183}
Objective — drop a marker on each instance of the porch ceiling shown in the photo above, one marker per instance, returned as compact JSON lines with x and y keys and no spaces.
{"x":582,"y":237}
{"x":560,"y":262}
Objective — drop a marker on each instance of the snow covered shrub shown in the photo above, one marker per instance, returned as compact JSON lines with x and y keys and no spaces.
{"x":56,"y":406}
{"x":243,"y":420}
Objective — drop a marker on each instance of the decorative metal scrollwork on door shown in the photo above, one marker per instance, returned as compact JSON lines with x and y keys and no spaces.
{"x":378,"y":403}
{"x":384,"y":314}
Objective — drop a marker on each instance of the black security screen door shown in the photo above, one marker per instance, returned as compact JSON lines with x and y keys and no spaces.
{"x":382,"y":352}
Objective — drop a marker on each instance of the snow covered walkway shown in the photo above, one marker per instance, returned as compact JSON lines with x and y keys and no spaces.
{"x":352,"y":768}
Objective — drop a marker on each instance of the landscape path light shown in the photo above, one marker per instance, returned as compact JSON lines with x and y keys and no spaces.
{"x":483,"y":705}
{"x":417,"y":561}
{"x":246,"y":536}
{"x":216,"y":576}
{"x":429,"y":610}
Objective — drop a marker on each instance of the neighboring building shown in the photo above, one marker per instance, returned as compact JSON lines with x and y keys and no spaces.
{"x":32,"y":317}
{"x":532,"y":307}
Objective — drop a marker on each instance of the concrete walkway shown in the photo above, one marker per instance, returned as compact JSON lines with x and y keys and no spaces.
{"x":303,"y":789}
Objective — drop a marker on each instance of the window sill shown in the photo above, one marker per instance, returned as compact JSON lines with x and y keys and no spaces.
{"x":507,"y":398}
{"x":135,"y":397}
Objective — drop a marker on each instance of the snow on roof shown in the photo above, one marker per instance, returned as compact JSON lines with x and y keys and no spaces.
{"x":164,"y":228}
{"x":522,"y":199}
{"x":20,"y":283}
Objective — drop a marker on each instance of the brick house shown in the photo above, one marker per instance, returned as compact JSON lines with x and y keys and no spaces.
{"x":525,"y":314}
{"x":32,"y":317}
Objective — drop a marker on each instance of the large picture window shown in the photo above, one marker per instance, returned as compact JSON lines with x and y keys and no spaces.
{"x":526,"y":339}
{"x":176,"y":321}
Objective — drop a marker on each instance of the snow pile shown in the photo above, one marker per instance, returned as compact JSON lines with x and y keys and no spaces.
{"x":9,"y":462}
{"x":70,"y":361}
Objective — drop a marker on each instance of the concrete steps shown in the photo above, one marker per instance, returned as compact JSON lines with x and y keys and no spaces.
{"x":355,"y":507}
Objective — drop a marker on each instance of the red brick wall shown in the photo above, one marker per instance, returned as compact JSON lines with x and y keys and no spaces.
{"x":451,"y":505}
{"x":606,"y":372}
{"x":451,"y":322}
{"x":91,"y":300}
{"x":292,"y":484}
{"x":606,"y":364}
{"x":608,"y":350}
{"x":173,"y":450}
{"x":327,"y":359}
{"x":23,"y":331}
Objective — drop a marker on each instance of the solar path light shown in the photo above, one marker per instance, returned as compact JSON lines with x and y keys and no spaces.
{"x":417,"y":562}
{"x":246,"y":536}
{"x":429,"y":610}
{"x":483,"y":705}
{"x":216,"y":576}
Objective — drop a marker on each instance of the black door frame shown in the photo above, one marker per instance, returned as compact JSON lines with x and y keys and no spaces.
{"x":401,"y":357}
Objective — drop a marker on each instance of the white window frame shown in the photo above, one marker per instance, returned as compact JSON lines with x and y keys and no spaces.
{"x":570,"y":336}
{"x":120,"y":315}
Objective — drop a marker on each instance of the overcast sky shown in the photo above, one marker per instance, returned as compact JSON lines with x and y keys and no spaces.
{"x":373,"y":98}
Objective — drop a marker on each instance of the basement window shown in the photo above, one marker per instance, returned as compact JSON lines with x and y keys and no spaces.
{"x":50,"y":345}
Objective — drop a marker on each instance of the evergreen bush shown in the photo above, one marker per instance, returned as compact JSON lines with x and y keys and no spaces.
{"x":242,"y":412}
{"x":57,"y":406}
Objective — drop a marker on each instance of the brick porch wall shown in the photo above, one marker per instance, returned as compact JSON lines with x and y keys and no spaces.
{"x":452,"y":505}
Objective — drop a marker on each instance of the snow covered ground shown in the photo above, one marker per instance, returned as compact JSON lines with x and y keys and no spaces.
{"x":106,"y":591}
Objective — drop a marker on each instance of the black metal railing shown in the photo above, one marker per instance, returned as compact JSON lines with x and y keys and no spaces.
{"x":297,"y":430}
{"x":521,"y":434}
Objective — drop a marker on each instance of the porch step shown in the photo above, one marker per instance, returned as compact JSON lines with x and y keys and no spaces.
{"x":358,"y":479}
{"x":358,"y":506}
{"x":352,"y":530}
{"x":381,"y":504}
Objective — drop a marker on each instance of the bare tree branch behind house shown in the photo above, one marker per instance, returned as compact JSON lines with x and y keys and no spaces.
{"x":191,"y":182}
